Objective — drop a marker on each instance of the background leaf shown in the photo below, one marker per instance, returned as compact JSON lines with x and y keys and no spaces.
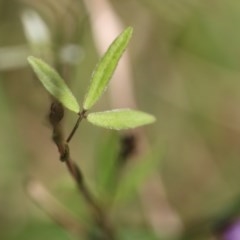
{"x":106,"y":158}
{"x":105,"y":68}
{"x":141,"y":233}
{"x":137,"y":173}
{"x":37,"y":33}
{"x":120,"y":119}
{"x":52,"y":81}
{"x":48,"y":230}
{"x":13,"y":165}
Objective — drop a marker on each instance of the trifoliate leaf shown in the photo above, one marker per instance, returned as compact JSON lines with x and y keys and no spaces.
{"x":52,"y":81}
{"x":120,"y":119}
{"x":105,"y":68}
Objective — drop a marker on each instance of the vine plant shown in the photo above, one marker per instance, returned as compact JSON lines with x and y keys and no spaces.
{"x":117,"y":119}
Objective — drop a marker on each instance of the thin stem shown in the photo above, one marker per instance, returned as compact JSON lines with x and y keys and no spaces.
{"x":74,"y":128}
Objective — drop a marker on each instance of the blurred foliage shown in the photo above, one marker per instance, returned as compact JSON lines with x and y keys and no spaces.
{"x":185,"y":59}
{"x":39,"y":230}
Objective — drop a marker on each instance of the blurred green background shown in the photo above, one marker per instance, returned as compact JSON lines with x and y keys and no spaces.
{"x":185,"y":56}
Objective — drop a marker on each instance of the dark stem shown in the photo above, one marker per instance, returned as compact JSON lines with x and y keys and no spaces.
{"x":81,"y":116}
{"x":55,"y":117}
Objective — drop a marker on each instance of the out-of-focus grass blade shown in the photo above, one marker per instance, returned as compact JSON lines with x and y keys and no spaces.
{"x":136,"y":233}
{"x":207,"y":35}
{"x":52,"y":81}
{"x":120,"y":119}
{"x":41,"y":230}
{"x":137,"y":174}
{"x":106,"y":165}
{"x":105,"y":68}
{"x":13,"y":168}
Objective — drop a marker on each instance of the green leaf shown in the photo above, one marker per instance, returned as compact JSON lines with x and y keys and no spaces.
{"x":119,"y":119}
{"x":52,"y":81}
{"x":105,"y":68}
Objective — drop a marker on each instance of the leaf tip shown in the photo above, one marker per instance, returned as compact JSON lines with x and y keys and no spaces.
{"x":33,"y":60}
{"x":152,"y":118}
{"x":129,"y":29}
{"x":30,"y":59}
{"x":128,"y":32}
